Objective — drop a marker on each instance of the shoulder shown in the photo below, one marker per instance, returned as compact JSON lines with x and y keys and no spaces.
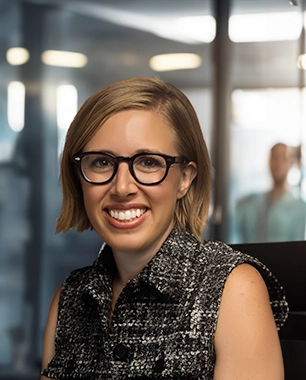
{"x":230,"y":271}
{"x":76,"y":279}
{"x":222,"y":256}
{"x":250,"y":199}
{"x":218,"y":259}
{"x":53,"y":310}
{"x":233,"y":271}
{"x":69,"y":296}
{"x":78,"y":274}
{"x":291,"y":196}
{"x":244,"y":284}
{"x":244,"y":291}
{"x":49,"y":337}
{"x":246,"y":339}
{"x":301,"y":203}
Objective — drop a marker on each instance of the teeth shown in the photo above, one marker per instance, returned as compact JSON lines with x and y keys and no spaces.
{"x":126,"y":215}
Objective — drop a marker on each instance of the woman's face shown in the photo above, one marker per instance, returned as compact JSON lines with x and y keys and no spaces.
{"x":125,"y":134}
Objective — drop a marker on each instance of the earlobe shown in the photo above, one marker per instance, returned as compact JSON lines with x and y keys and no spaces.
{"x":189,"y":172}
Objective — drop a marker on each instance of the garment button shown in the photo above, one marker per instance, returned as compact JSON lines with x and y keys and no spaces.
{"x":159,"y":365}
{"x":121,"y":352}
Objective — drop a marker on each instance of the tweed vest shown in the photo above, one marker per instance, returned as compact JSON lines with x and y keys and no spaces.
{"x":164,"y":321}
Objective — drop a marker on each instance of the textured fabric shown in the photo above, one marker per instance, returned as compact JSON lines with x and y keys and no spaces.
{"x":164,"y":321}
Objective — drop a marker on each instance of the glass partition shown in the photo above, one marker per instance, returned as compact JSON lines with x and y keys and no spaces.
{"x":264,"y":208}
{"x":267,"y":197}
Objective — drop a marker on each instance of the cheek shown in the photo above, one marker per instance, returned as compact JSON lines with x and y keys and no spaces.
{"x":88,"y":205}
{"x":91,"y":197}
{"x":170,"y":195}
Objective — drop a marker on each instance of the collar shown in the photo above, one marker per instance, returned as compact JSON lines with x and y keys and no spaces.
{"x":170,"y":271}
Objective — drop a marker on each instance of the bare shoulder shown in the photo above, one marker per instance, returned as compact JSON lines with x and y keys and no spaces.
{"x":245,"y":280}
{"x":53,"y":310}
{"x":55,"y":298}
{"x":245,"y":299}
{"x":246,"y":339}
{"x":49,"y":345}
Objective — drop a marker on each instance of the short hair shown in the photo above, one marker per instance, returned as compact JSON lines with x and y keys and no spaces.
{"x":142,"y":93}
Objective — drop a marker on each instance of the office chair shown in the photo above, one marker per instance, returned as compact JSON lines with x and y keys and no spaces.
{"x":287,"y":261}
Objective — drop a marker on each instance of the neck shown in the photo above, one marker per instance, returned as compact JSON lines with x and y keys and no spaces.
{"x":278,"y":190}
{"x":128,"y":266}
{"x":129,"y":263}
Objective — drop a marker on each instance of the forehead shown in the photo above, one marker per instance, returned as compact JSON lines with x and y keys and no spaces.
{"x":279,"y":151}
{"x":132,"y":130}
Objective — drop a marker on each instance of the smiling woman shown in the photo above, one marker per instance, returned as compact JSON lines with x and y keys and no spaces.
{"x":123,"y":192}
{"x":158,"y":302}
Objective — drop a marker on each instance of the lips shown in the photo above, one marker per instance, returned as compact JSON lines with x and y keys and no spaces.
{"x":126,"y":215}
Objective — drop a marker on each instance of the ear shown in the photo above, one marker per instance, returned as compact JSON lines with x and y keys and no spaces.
{"x":189,"y":172}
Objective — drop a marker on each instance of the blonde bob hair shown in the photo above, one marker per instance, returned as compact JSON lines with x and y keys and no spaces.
{"x":142,"y":94}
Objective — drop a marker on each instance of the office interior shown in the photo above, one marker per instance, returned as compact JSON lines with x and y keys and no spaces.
{"x":241,"y":63}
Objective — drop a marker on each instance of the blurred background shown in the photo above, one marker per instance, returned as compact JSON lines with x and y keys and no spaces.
{"x":241,"y":63}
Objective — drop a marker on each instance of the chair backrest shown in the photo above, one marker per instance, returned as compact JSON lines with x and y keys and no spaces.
{"x":287,"y":261}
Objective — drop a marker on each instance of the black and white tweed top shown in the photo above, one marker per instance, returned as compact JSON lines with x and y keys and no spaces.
{"x":164,"y":321}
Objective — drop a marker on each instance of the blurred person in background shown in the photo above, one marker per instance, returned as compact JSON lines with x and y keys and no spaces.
{"x":278,"y":214}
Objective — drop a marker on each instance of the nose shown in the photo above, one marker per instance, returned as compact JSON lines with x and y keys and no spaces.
{"x":123,"y":183}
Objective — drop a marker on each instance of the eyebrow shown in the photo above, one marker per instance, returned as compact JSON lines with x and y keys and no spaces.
{"x":146,"y":150}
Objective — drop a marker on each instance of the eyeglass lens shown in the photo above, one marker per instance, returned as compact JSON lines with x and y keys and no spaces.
{"x":99,"y":168}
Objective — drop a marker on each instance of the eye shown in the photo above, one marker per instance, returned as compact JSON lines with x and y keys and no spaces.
{"x":98,"y":163}
{"x":149,"y":163}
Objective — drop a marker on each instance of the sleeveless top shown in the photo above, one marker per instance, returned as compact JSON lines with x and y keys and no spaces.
{"x":164,"y":321}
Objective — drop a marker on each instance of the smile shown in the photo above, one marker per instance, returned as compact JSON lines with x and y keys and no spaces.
{"x":126,"y":215}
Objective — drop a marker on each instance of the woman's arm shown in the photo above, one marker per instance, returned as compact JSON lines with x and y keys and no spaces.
{"x":49,"y":347}
{"x":246,"y":341}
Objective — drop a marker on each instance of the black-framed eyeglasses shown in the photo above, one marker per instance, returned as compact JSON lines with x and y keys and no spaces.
{"x":146,"y":168}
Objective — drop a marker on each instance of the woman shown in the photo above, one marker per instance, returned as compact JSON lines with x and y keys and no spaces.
{"x":158,"y":302}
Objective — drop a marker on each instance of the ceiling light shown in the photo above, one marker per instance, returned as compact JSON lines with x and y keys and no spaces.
{"x":63,"y":58}
{"x":189,"y":30}
{"x":301,"y":62}
{"x":169,"y":62}
{"x":66,"y":105}
{"x":197,"y":28}
{"x":259,"y":27}
{"x":17,"y":56}
{"x":15,"y":105}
